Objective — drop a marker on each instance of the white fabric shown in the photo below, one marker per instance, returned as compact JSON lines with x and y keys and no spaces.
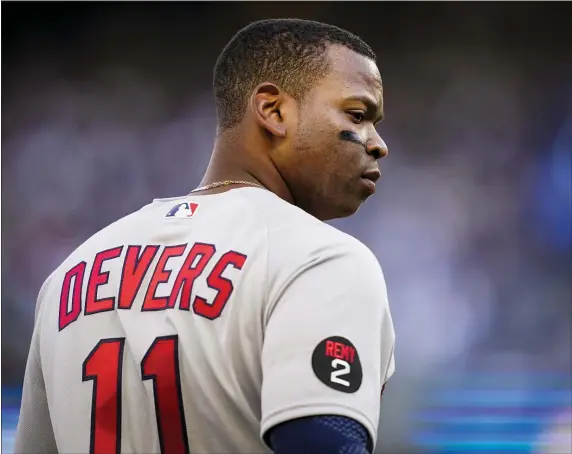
{"x":241,"y":372}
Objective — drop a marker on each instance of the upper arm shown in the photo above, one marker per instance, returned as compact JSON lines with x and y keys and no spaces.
{"x":328,"y":340}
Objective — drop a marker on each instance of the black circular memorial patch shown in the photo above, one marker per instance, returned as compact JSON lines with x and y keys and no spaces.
{"x":336,"y":363}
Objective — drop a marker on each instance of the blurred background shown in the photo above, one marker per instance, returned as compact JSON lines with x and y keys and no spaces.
{"x":106,"y":106}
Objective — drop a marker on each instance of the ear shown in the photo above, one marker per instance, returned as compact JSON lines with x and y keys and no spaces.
{"x":268,"y":108}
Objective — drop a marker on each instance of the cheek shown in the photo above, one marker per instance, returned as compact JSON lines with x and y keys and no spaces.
{"x":322,"y":118}
{"x":321,"y":154}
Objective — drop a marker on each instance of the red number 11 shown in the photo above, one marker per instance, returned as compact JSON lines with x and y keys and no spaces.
{"x":104,"y":365}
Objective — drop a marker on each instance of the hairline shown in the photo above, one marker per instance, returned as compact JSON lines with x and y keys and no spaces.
{"x":318,"y":67}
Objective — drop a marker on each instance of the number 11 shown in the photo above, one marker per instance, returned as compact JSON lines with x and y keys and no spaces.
{"x":104,"y":365}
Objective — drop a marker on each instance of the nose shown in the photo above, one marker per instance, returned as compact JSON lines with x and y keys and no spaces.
{"x":376,"y":147}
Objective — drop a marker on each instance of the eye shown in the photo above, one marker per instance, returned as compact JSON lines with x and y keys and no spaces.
{"x":357,"y":115}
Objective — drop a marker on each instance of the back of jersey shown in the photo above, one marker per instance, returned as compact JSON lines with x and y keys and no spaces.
{"x":148,"y":338}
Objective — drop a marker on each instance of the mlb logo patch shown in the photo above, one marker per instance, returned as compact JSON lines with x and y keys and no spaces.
{"x":183,"y":210}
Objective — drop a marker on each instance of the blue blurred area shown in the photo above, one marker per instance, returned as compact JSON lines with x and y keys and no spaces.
{"x":10,"y":410}
{"x":491,"y":414}
{"x":553,"y":194}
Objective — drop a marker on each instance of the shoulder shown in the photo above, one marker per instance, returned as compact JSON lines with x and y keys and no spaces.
{"x":292,"y":231}
{"x":301,"y":248}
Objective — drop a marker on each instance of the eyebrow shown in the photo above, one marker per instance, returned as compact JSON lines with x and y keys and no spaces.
{"x":370,"y":104}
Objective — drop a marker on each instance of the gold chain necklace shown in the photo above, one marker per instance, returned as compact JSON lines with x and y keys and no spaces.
{"x":218,"y":184}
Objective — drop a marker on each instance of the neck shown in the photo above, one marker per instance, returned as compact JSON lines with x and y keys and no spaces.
{"x":234,"y":160}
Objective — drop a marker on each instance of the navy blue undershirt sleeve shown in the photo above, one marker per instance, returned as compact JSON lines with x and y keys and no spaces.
{"x":320,"y":435}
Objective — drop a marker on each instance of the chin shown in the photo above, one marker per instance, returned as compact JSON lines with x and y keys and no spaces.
{"x":340,"y":211}
{"x":348,"y":210}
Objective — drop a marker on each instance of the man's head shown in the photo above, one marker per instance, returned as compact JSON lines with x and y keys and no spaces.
{"x":313,"y":92}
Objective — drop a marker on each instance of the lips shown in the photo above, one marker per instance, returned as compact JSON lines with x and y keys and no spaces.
{"x":372,"y":174}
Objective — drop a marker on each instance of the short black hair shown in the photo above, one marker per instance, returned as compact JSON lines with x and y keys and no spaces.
{"x":288,"y":52}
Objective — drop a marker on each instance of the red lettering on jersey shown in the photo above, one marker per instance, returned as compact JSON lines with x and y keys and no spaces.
{"x":104,"y":366}
{"x":160,"y":276}
{"x":96,"y":279}
{"x":340,"y":351}
{"x":134,"y":269}
{"x":219,"y":283}
{"x":351,"y":354}
{"x":330,"y":348}
{"x":66,"y":317}
{"x":189,"y":273}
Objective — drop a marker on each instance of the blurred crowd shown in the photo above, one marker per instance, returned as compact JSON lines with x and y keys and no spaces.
{"x":472,"y":219}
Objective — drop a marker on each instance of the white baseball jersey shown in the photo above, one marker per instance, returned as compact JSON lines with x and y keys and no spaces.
{"x":198,"y":323}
